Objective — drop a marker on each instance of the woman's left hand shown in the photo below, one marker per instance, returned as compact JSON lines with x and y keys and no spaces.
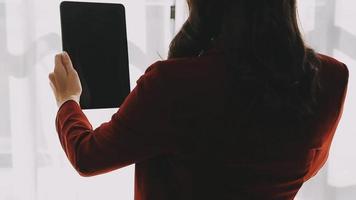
{"x":64,"y":80}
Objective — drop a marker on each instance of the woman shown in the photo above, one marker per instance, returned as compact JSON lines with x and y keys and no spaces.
{"x":242,"y":109}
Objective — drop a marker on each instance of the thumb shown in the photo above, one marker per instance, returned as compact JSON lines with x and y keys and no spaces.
{"x":53,"y":82}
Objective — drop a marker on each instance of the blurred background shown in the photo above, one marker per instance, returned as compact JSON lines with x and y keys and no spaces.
{"x":32,"y":163}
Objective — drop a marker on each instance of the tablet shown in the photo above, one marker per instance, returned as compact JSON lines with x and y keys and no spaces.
{"x":94,"y":35}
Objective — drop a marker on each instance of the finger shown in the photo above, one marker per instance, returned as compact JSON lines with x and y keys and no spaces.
{"x":52,"y":82}
{"x":53,"y":88}
{"x":51,"y":77}
{"x":59,"y":67}
{"x":67,"y":61}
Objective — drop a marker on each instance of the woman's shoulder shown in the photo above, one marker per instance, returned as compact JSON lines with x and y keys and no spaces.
{"x":333,"y":70}
{"x":332,"y":64}
{"x":193,"y":66}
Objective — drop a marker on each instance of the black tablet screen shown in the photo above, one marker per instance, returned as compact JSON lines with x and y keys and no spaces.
{"x":94,"y":35}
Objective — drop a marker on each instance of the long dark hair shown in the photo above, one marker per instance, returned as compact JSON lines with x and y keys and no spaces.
{"x":262,"y":43}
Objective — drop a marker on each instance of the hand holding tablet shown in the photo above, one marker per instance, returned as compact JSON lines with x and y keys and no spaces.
{"x":64,"y":80}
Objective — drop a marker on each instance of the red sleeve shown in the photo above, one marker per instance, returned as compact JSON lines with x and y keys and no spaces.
{"x":138,"y":131}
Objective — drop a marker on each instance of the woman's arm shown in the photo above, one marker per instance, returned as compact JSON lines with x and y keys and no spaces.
{"x":138,"y":131}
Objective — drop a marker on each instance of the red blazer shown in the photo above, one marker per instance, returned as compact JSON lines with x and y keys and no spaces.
{"x":173,"y":126}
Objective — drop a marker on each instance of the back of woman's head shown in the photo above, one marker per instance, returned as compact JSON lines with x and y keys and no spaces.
{"x":262,"y":43}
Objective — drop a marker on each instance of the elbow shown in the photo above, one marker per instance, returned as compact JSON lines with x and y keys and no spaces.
{"x":90,"y":169}
{"x":80,"y":157}
{"x":83,"y":166}
{"x":83,"y":170}
{"x":83,"y":173}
